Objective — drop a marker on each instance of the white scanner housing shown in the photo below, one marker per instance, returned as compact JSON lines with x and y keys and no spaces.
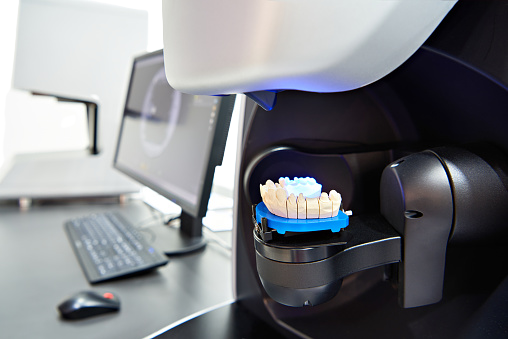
{"x":239,"y":46}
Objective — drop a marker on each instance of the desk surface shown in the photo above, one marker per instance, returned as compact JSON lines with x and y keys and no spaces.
{"x":38,"y":270}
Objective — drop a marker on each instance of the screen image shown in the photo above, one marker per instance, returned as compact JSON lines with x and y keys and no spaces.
{"x":168,"y":137}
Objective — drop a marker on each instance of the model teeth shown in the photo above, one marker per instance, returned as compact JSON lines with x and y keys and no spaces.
{"x":301,"y":207}
{"x":312,"y":208}
{"x":325,"y":206}
{"x":336,"y":200}
{"x":284,"y":199}
{"x":292,"y":206}
{"x":281,"y":202}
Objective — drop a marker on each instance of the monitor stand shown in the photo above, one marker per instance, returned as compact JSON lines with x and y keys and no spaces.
{"x":177,"y":240}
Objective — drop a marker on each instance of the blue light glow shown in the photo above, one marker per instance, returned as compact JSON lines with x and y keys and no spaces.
{"x":307,"y":186}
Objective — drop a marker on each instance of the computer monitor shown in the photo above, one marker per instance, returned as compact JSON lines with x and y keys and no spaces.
{"x":171,"y":142}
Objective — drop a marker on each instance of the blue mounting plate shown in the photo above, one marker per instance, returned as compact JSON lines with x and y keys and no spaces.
{"x":283,"y":225}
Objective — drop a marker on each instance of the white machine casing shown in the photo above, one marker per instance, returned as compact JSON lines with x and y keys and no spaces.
{"x":232,"y":46}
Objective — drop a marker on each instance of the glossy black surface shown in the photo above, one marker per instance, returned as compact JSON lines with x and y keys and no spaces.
{"x":227,"y":322}
{"x":47,"y":271}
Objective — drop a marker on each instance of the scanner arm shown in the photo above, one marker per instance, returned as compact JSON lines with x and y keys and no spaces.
{"x":296,"y":271}
{"x":92,"y":112}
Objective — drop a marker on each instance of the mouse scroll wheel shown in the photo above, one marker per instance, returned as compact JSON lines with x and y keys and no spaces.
{"x":108,"y":295}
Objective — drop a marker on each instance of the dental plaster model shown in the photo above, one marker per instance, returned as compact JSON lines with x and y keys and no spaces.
{"x":300,"y":198}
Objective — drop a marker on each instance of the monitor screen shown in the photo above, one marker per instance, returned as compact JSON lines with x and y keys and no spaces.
{"x":170,"y":141}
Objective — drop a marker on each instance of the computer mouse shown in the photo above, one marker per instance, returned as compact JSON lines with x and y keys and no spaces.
{"x":88,"y":303}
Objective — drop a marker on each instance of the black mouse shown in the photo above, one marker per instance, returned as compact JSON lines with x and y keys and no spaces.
{"x":88,"y":303}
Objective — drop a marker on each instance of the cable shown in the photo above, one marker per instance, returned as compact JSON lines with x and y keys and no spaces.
{"x":218,"y":240}
{"x":156,"y":214}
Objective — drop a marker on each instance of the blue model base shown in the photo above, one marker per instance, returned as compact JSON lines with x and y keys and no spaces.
{"x":283,"y":225}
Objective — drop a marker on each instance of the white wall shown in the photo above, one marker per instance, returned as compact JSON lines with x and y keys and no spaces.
{"x":39,"y":124}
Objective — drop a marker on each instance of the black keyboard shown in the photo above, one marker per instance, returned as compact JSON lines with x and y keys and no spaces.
{"x":108,"y":247}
